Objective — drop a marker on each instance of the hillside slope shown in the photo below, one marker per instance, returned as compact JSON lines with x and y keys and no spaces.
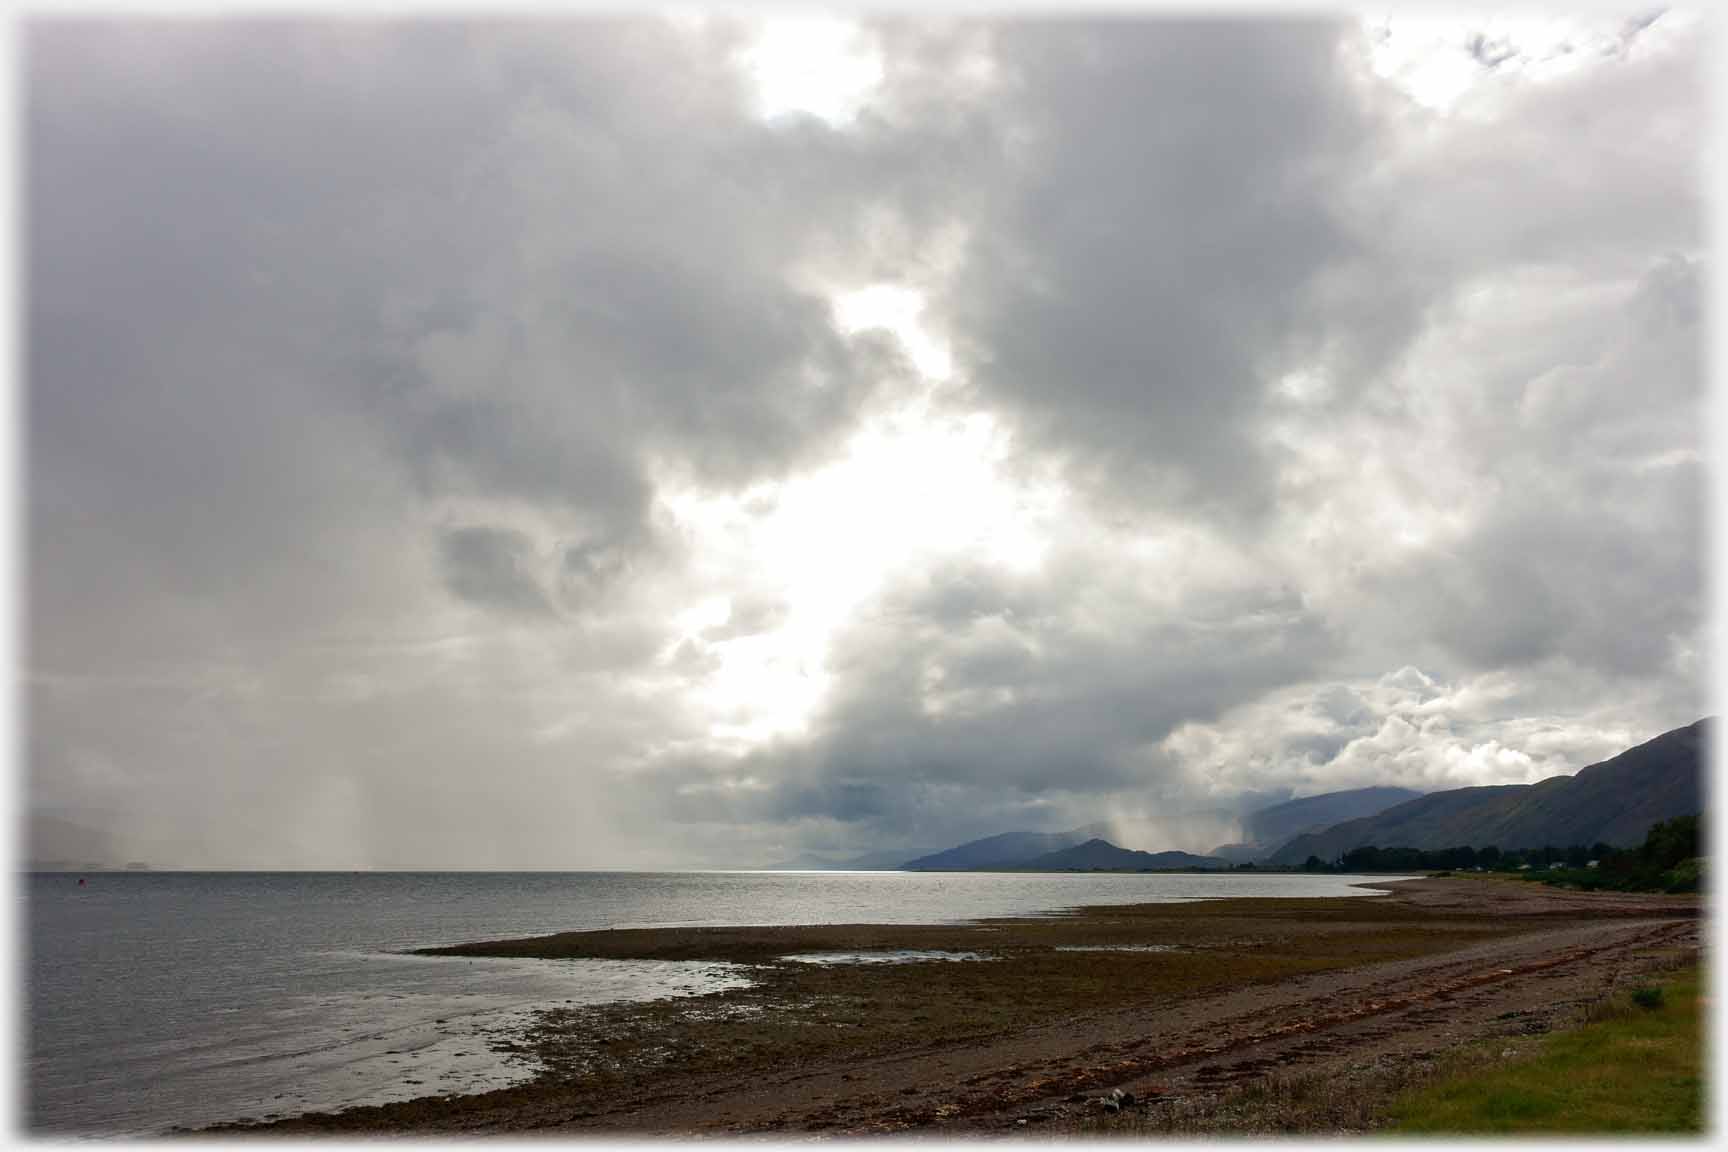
{"x":1313,"y":813}
{"x":1103,"y":854}
{"x":1614,"y":802}
{"x":1269,"y":828}
{"x":1011,"y":849}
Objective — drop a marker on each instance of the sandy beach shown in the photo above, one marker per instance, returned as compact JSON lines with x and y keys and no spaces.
{"x":1213,"y":1015}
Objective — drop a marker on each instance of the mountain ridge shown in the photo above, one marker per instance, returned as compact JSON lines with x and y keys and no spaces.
{"x":1099,"y":853}
{"x":1614,"y":801}
{"x":1004,"y":849}
{"x":1268,"y":829}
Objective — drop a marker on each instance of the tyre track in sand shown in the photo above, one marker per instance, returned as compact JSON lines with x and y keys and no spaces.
{"x":1191,"y":1049}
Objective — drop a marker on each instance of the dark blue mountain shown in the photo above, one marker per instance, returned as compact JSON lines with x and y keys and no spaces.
{"x":1101,"y":854}
{"x":1010,"y":849}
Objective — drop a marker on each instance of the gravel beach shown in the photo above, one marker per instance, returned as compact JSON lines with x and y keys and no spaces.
{"x":1189,"y":1012}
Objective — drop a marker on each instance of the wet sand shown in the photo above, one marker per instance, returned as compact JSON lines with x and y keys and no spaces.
{"x":1188,"y":1007}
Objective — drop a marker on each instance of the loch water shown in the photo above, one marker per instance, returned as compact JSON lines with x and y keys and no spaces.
{"x":156,"y":1000}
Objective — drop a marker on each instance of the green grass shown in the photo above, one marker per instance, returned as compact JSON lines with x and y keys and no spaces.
{"x":1634,"y":1070}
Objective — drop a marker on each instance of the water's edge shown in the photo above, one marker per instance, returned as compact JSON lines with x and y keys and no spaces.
{"x":164,"y":1000}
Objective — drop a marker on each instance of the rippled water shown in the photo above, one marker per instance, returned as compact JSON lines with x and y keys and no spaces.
{"x":162,"y":999}
{"x":883,"y":956}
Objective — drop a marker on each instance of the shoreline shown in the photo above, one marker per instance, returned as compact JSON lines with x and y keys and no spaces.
{"x":1183,"y":1005}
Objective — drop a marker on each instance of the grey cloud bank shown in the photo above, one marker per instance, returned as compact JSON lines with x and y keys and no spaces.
{"x":446,"y":446}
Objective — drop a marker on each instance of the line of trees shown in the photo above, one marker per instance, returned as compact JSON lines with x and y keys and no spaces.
{"x":1372,"y":858}
{"x":1667,"y":860}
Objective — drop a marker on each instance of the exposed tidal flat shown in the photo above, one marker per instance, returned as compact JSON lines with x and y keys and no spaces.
{"x":1148,"y":1016}
{"x":163,"y":1000}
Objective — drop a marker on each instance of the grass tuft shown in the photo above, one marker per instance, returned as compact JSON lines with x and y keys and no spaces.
{"x":1627,"y":1071}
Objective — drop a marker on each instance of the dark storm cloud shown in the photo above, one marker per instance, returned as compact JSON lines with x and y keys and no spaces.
{"x":621,"y":357}
{"x":1588,"y":544}
{"x":492,"y":567}
{"x":369,"y":363}
{"x":1554,"y":579}
{"x":1140,"y":273}
{"x":954,"y":717}
{"x":505,"y":245}
{"x":1562,"y":409}
{"x":300,"y":295}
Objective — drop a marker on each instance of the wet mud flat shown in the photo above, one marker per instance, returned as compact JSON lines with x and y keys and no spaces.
{"x":1027,"y":1024}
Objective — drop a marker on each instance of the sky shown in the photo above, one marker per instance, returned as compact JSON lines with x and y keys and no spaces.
{"x":694,"y":440}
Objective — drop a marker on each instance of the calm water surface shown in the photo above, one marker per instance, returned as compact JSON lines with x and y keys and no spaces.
{"x":164,"y":999}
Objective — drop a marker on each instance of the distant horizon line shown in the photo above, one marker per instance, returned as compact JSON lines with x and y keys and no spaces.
{"x":57,"y":870}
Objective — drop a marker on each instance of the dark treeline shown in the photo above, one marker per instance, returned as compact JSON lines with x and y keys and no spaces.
{"x":1666,"y":861}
